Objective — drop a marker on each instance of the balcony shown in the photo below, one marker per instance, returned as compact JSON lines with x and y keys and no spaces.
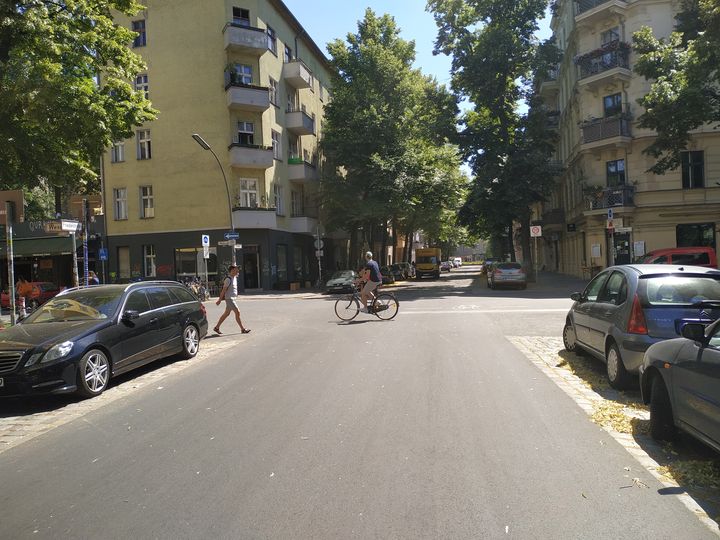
{"x":250,"y":156}
{"x":604,"y":65}
{"x":591,"y":12}
{"x":605,"y":132}
{"x":245,"y":39}
{"x":297,"y":74}
{"x":303,"y":224}
{"x":549,"y":85}
{"x":247,"y":97}
{"x":299,"y":123}
{"x":301,"y":171}
{"x":611,"y":197}
{"x":254,"y":218}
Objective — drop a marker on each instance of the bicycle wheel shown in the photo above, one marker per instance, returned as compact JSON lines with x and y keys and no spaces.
{"x":347,"y":308}
{"x":385,"y":306}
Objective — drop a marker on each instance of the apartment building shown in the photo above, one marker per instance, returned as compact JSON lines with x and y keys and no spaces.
{"x":247,"y":78}
{"x":607,"y":209}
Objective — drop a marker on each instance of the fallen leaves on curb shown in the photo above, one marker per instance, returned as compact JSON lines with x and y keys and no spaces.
{"x":619,"y":417}
{"x":696,"y":473}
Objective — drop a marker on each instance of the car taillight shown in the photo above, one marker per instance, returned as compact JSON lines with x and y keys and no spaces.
{"x":202,"y":308}
{"x":637,"y":323}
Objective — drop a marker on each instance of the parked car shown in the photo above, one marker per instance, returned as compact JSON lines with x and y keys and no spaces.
{"x":486,"y":264}
{"x":457,"y":262}
{"x":679,"y":380}
{"x":387,"y":276}
{"x":81,"y":338}
{"x":341,"y":281}
{"x":625,"y":309}
{"x":445,"y":266}
{"x":506,"y":274}
{"x":695,"y":256}
{"x":398,"y":272}
{"x":41,"y":292}
{"x":408,"y":269}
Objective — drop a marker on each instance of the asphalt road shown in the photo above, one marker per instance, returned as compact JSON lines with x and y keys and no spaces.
{"x":428,"y":426}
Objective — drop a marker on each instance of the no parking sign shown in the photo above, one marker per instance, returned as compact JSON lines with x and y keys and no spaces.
{"x":535,"y":231}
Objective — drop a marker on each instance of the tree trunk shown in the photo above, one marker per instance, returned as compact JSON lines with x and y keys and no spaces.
{"x":383,"y":249}
{"x":511,"y":242}
{"x":408,"y":246}
{"x":353,"y":251}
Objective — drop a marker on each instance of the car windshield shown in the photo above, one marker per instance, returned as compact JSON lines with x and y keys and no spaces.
{"x":342,"y":274}
{"x":427,"y":260}
{"x":663,"y":290}
{"x":82,"y":305}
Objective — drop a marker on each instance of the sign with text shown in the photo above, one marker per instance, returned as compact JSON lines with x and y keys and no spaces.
{"x":232,"y":235}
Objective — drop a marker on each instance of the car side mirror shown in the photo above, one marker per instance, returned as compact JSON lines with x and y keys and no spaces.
{"x":576,"y":296}
{"x":694,"y":331}
{"x":130,"y":315}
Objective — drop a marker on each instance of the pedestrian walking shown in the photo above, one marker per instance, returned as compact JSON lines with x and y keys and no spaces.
{"x":93,"y":279}
{"x":229,"y":294}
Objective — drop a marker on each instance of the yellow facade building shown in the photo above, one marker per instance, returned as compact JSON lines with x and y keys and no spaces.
{"x":248,"y":79}
{"x":607,"y":209}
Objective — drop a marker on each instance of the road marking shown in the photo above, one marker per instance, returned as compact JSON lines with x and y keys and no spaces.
{"x":468,"y":311}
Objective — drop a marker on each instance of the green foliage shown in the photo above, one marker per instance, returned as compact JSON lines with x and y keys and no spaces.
{"x":55,"y":118}
{"x":685,"y":92}
{"x":387,"y":136}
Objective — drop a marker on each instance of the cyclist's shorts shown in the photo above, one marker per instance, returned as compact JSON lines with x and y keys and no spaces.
{"x":370,"y":286}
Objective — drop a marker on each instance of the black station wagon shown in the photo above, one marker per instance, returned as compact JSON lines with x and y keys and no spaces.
{"x":79,"y":339}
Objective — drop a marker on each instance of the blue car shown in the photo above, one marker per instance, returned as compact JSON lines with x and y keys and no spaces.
{"x":626,"y":309}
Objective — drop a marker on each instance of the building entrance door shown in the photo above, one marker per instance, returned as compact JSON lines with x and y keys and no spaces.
{"x":251,"y":267}
{"x":621,"y":248}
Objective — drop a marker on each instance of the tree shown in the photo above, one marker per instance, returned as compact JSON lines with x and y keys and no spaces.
{"x":386,"y":135}
{"x":56,"y":114}
{"x":685,"y":92}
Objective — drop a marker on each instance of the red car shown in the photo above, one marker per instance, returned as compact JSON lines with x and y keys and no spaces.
{"x":41,"y":291}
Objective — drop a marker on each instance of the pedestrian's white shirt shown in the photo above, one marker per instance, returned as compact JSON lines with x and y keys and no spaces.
{"x":230,"y":287}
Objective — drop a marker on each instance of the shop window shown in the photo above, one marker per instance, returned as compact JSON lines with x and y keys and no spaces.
{"x":282,"y":273}
{"x":297,"y":262}
{"x":123,"y":253}
{"x":149,"y":260}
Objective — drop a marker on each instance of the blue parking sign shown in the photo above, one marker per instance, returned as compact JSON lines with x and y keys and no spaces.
{"x":103,"y":254}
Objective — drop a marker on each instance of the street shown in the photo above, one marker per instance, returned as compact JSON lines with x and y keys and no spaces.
{"x":437,"y":424}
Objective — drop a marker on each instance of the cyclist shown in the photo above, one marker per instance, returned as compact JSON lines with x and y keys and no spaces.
{"x":372,"y":277}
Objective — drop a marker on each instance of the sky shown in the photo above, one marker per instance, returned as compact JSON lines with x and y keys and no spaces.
{"x":327,"y":20}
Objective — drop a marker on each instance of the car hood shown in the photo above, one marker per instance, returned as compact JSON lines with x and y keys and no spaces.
{"x":26,"y":336}
{"x":339,"y":281}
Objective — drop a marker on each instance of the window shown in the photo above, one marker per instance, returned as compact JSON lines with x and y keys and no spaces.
{"x":272,"y":40}
{"x":695,"y":234}
{"x":248,"y":193}
{"x":322,"y":92}
{"x":159,"y":297}
{"x":242,"y":75}
{"x":141,"y":85}
{"x":117,"y":152}
{"x":144,"y":150}
{"x":287,"y":56}
{"x":297,"y":261}
{"x":120,"y":203}
{"x":693,"y":169}
{"x":312,"y":83}
{"x":293,"y":147}
{"x":615,"y":172}
{"x":594,"y":287}
{"x":147,"y":202}
{"x":273,"y":90}
{"x":279,"y":206}
{"x":610,"y":35}
{"x":615,"y":292}
{"x":612,"y":105}
{"x":141,"y":38}
{"x":246,"y":133}
{"x":123,"y":261}
{"x":296,"y":203}
{"x":149,"y":260}
{"x":292,"y":99}
{"x":137,"y":301}
{"x":276,"y":146}
{"x":282,"y":262}
{"x":241,"y":16}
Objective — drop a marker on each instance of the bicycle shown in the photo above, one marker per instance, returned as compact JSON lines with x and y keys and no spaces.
{"x":384,"y":306}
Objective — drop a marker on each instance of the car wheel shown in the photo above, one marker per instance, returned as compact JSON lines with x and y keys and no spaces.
{"x":93,"y":373}
{"x":617,"y":375}
{"x":662,"y":427}
{"x":190,"y":341}
{"x":569,"y":338}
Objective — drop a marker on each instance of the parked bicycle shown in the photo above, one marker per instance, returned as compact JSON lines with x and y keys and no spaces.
{"x":384,"y":306}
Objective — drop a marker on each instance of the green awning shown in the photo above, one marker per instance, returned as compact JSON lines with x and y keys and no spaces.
{"x":40,"y":247}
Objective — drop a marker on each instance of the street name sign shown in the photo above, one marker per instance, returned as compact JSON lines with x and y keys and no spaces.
{"x":232,"y":235}
{"x":68,"y":225}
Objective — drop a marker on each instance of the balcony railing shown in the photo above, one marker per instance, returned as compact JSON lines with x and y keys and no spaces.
{"x":605,"y":128}
{"x":602,"y":61}
{"x":245,"y":39}
{"x":612,"y":197}
{"x":581,"y":6}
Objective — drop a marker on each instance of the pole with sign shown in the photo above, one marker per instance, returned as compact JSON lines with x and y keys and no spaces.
{"x":536,"y":232}
{"x":9,"y":217}
{"x":318,"y":253}
{"x":86,"y":270}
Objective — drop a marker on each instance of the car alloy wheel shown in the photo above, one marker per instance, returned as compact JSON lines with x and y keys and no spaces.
{"x":617,"y":375}
{"x":94,"y":373}
{"x":569,"y":338}
{"x":191,"y":341}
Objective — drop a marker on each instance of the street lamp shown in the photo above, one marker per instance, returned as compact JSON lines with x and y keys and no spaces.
{"x":206,"y":146}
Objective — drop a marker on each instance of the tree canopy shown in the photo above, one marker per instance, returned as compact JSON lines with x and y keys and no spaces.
{"x":65,"y":89}
{"x":685,"y":70}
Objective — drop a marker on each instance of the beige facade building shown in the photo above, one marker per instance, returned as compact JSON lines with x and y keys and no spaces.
{"x":604,"y":180}
{"x":246,"y":77}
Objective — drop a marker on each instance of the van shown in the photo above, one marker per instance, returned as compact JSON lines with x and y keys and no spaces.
{"x":695,"y":256}
{"x":427,"y":262}
{"x":457,"y":262}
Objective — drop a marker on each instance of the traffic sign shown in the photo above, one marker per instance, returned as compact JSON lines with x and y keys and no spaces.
{"x":610,"y":225}
{"x":535,"y":231}
{"x":319,"y":243}
{"x":319,"y":253}
{"x":205,"y":240}
{"x":68,"y":225}
{"x":232,"y":235}
{"x":103,"y":253}
{"x":610,"y":214}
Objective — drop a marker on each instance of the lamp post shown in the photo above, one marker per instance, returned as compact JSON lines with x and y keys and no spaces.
{"x":206,"y":146}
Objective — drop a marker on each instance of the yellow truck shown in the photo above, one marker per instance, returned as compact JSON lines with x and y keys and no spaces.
{"x":427,"y":262}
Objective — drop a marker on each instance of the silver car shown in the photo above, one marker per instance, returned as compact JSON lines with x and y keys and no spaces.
{"x":625,"y":309}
